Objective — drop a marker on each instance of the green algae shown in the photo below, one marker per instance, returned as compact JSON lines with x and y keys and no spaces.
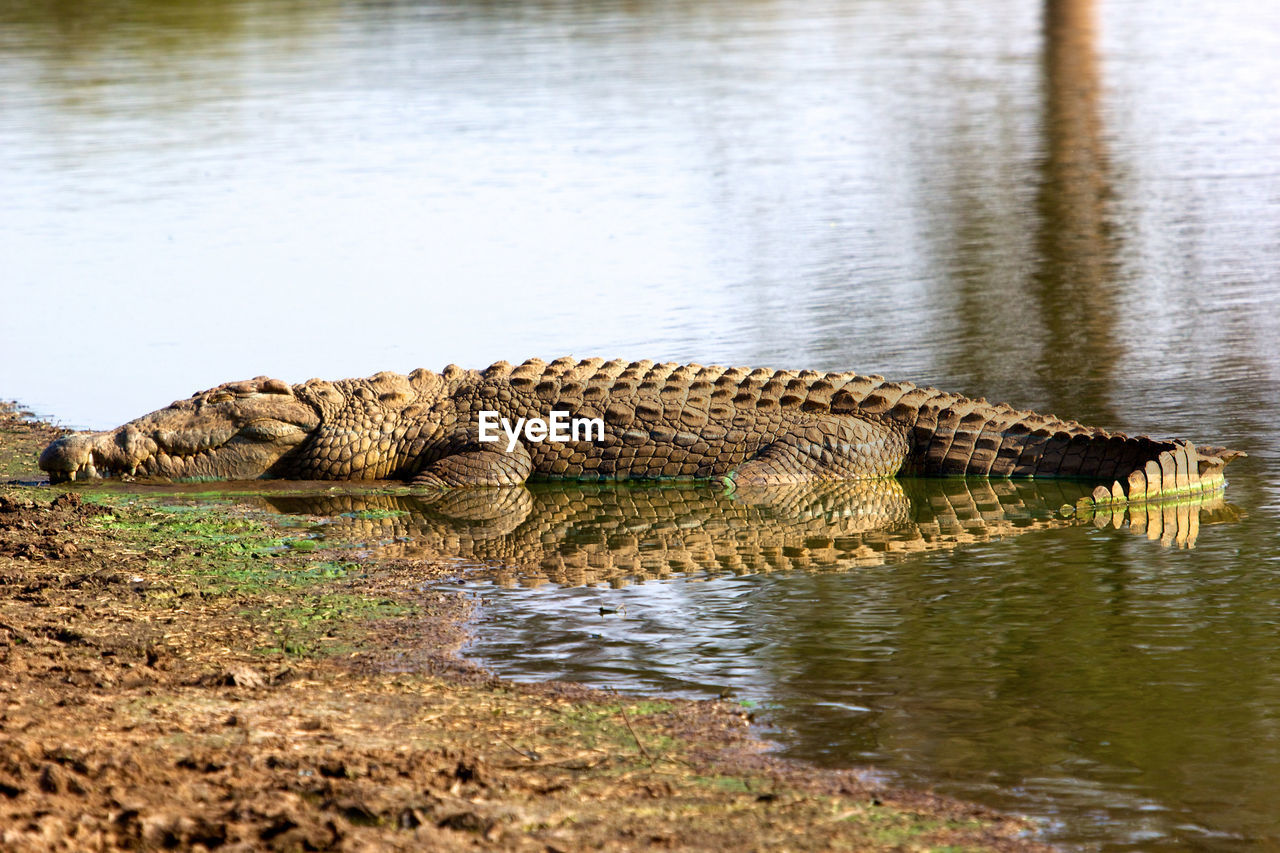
{"x":204,"y":552}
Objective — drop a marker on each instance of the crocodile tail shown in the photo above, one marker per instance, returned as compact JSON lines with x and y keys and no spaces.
{"x":953,"y":435}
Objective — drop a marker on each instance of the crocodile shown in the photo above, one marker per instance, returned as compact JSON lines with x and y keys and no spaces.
{"x":660,"y":421}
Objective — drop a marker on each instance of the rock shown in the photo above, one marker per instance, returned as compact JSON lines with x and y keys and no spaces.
{"x":242,"y":676}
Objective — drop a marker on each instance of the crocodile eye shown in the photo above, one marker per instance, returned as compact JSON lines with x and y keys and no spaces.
{"x":266,"y":429}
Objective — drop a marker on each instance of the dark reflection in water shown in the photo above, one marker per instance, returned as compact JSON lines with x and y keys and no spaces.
{"x":592,"y":534}
{"x":1075,"y":284}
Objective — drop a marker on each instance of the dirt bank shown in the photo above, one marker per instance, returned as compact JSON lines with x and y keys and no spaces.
{"x":188,"y":674}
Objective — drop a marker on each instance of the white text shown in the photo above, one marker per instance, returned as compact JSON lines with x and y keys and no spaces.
{"x":562,"y":426}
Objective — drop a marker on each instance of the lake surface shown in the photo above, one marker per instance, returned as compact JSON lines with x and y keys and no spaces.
{"x":1073,"y":206}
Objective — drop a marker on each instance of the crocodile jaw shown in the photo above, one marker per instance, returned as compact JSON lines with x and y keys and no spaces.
{"x":95,"y":456}
{"x":127,"y":454}
{"x":234,"y":432}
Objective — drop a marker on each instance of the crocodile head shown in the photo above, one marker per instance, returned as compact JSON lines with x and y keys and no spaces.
{"x":238,"y":431}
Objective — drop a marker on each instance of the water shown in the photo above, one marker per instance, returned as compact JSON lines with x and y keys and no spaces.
{"x":1124,"y":691}
{"x":1074,"y":207}
{"x":959,"y":634}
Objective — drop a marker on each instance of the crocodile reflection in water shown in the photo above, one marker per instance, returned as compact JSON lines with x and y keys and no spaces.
{"x":588,"y":534}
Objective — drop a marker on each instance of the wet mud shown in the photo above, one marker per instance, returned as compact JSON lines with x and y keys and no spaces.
{"x":190,"y":674}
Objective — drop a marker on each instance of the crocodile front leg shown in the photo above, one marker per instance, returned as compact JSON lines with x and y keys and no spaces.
{"x":475,"y":467}
{"x":826,"y":447}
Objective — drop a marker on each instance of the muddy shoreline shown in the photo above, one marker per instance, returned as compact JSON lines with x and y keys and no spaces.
{"x":192,"y":675}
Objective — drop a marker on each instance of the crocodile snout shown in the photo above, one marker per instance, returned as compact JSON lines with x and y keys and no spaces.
{"x":87,"y":456}
{"x":68,"y":458}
